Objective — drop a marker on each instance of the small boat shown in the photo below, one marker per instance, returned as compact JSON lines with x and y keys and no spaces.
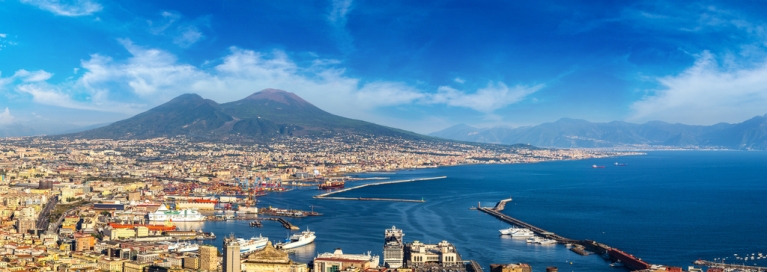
{"x":617,"y":264}
{"x":522,"y":233}
{"x":597,"y":166}
{"x":620,"y":164}
{"x":546,"y":241}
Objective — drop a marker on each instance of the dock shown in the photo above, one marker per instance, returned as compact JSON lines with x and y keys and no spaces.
{"x":580,"y":246}
{"x":329,"y":194}
{"x":730,"y":266}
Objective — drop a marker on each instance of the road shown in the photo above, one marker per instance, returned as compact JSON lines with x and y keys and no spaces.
{"x":43,"y":218}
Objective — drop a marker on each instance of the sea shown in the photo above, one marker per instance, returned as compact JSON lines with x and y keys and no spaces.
{"x":666,"y":207}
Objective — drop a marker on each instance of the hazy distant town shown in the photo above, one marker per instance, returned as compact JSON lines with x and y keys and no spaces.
{"x":87,"y":205}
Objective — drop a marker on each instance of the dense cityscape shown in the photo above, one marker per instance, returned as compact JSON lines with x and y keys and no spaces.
{"x":109,"y":205}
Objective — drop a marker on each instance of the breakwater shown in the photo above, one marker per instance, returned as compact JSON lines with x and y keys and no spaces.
{"x":329,"y":196}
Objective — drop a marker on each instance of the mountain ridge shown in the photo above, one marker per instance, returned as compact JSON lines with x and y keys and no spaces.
{"x":577,"y":133}
{"x":260,"y":116}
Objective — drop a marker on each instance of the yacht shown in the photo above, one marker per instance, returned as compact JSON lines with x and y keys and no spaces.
{"x":298,"y":240}
{"x":533,"y":240}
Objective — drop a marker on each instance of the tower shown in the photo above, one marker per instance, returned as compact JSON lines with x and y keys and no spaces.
{"x":231,"y":255}
{"x":393,"y":251}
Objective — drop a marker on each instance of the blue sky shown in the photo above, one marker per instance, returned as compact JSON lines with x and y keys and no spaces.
{"x":415,"y":65}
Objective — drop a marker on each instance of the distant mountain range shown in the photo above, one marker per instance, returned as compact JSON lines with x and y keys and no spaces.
{"x":263,"y":115}
{"x":571,"y":133}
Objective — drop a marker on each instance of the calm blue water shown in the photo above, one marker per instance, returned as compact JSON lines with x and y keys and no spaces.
{"x":666,"y":207}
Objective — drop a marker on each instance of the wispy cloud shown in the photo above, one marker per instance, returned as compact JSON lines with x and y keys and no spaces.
{"x":488,"y":99}
{"x":34,"y":76}
{"x":67,"y":8}
{"x":189,"y":35}
{"x":707,"y":93}
{"x":184,"y":33}
{"x":337,"y":18}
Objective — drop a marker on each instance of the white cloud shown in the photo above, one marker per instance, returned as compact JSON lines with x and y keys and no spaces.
{"x":488,"y":99}
{"x":459,"y":80}
{"x":707,"y":93}
{"x":6,"y":118}
{"x":66,"y":8}
{"x":3,"y":35}
{"x":34,"y":76}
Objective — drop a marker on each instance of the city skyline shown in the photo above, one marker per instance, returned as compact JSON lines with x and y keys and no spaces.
{"x":420,"y":67}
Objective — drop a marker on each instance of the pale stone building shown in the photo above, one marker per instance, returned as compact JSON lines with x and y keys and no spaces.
{"x":271,"y":259}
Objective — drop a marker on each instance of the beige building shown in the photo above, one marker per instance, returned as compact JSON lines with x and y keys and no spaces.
{"x":191,"y":262}
{"x":271,"y":259}
{"x":208,"y":257}
{"x":112,"y":265}
{"x":444,"y":253}
{"x":133,"y":267}
{"x":338,"y":261}
{"x":232,"y":256}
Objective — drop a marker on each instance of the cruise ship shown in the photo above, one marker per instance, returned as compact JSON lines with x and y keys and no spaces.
{"x":181,"y":247}
{"x":252,"y":244}
{"x":186,"y":215}
{"x":297,"y":240}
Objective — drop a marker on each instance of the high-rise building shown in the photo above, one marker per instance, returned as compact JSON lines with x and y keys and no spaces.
{"x":25,"y":224}
{"x":208,"y":257}
{"x":231,"y":255}
{"x":393,"y":248}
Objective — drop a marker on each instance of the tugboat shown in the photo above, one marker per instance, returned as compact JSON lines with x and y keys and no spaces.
{"x":331,"y":185}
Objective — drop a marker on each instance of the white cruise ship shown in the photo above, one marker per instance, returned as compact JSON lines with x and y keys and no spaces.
{"x":188,"y":247}
{"x":186,"y":215}
{"x":252,"y":244}
{"x":297,"y":240}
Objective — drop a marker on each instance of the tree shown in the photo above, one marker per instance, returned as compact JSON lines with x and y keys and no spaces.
{"x":106,"y":213}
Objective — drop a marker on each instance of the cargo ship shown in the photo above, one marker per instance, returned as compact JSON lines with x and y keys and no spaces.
{"x":151,"y":227}
{"x":331,"y":185}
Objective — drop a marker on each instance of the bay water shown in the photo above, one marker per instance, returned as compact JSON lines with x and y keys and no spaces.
{"x":666,"y":207}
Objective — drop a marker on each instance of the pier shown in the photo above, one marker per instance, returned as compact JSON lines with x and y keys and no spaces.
{"x":328,"y":195}
{"x":730,"y":266}
{"x":284,"y":223}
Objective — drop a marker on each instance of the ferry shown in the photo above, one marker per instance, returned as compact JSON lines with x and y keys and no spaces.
{"x":186,"y":215}
{"x":252,"y":244}
{"x":298,"y":240}
{"x":188,"y":247}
